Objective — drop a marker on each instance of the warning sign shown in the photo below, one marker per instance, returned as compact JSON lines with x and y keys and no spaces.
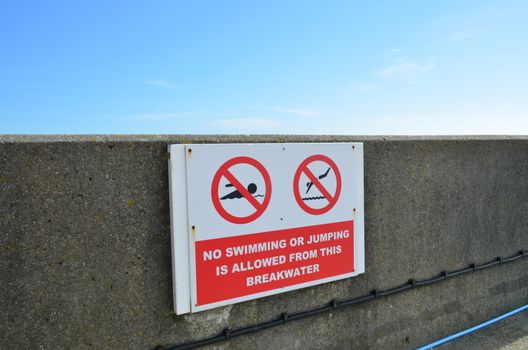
{"x":250,"y":220}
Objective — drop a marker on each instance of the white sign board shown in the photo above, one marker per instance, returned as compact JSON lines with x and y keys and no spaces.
{"x":250,"y":220}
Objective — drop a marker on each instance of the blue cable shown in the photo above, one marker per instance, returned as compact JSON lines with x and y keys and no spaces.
{"x":473,"y":329}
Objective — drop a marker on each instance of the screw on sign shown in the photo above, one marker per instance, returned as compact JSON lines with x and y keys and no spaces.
{"x":238,"y":185}
{"x":318,"y":190}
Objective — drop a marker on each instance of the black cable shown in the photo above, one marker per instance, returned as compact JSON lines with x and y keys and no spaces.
{"x":336,"y":304}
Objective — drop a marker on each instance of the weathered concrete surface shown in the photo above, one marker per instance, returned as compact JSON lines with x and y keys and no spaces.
{"x":509,"y":334}
{"x":85,"y":245}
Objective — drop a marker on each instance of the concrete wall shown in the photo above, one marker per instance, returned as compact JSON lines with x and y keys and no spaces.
{"x":85,"y":245}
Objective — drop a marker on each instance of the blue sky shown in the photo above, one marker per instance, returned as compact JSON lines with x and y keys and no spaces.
{"x":300,"y":67}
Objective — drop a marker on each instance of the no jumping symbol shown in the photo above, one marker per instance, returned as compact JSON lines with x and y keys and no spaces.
{"x":305,"y":192}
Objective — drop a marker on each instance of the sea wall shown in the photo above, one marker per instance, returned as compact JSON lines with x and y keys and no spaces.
{"x":85,"y":255}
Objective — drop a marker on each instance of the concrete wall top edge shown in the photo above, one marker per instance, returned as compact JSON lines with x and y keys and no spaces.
{"x":186,"y":138}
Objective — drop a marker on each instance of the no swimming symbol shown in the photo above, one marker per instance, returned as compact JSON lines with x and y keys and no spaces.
{"x":240,"y":190}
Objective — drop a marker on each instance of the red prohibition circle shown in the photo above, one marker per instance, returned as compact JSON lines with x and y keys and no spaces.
{"x":223,"y":171}
{"x":303,"y":168}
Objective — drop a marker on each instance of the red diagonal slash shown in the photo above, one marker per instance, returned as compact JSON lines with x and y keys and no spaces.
{"x":318,"y":184}
{"x":240,"y":188}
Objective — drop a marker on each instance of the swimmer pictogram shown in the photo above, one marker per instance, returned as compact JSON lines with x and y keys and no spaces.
{"x":251,"y":188}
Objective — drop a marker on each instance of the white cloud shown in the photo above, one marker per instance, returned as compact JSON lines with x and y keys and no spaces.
{"x":158,"y":117}
{"x":186,"y":115}
{"x":395,"y":53}
{"x":395,"y":50}
{"x":414,"y":119}
{"x":367,"y":87}
{"x":442,"y":20}
{"x":162,"y":83}
{"x":246,"y":123}
{"x":465,"y":35}
{"x":406,"y":70}
{"x":298,"y":112}
{"x":468,"y":27}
